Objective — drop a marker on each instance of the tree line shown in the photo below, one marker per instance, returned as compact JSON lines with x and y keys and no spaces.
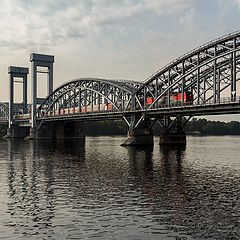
{"x":207,"y":127}
{"x":199,"y":126}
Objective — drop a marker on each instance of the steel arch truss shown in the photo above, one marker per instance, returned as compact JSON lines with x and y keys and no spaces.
{"x":90,"y":95}
{"x":209,"y":73}
{"x":4,"y":111}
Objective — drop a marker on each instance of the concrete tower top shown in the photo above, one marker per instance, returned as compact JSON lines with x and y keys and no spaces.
{"x":41,"y":58}
{"x":18,"y":70}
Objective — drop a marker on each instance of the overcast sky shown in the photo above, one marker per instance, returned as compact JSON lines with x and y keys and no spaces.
{"x":126,"y":39}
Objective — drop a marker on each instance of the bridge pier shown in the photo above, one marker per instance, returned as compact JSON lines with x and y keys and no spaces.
{"x":140,"y":130}
{"x":17,"y":132}
{"x":45,"y":131}
{"x":171,"y":138}
{"x":140,"y":136}
{"x":58,"y":131}
{"x":173,"y":131}
{"x":69,"y":130}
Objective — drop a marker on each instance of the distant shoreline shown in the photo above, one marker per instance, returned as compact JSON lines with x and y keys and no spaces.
{"x":195,"y":127}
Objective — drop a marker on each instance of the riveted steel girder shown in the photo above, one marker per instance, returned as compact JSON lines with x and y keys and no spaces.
{"x":209,"y":72}
{"x":90,"y":94}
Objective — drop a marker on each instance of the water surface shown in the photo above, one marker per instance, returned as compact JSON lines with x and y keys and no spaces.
{"x":99,"y":190}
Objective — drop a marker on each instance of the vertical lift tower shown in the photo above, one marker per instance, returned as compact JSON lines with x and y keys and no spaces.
{"x":43,"y":61}
{"x":17,"y":75}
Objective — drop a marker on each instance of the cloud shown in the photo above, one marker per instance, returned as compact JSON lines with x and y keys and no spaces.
{"x":107,"y":38}
{"x":26,"y":24}
{"x":236,"y":1}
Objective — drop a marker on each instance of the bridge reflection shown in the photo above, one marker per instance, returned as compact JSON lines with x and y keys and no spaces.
{"x":31,"y":176}
{"x":60,"y":188}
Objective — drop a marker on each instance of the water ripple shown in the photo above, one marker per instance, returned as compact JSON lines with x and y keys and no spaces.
{"x":99,"y":190}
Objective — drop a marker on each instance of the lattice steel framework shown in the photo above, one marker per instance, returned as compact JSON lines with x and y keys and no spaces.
{"x":210,"y":73}
{"x":90,"y":95}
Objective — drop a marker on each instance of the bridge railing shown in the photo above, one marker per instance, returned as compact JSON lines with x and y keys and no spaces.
{"x":3,"y":118}
{"x":221,"y":101}
{"x":211,"y":102}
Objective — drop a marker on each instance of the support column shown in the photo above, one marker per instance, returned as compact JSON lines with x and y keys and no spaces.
{"x":139,"y":136}
{"x":39,"y":60}
{"x":44,"y":131}
{"x":50,"y":79}
{"x":171,"y":138}
{"x":34,"y":99}
{"x":25,"y":108}
{"x":172,"y":131}
{"x":140,"y":132}
{"x":11,"y":94}
{"x":15,"y":131}
{"x":69,"y":130}
{"x":59,"y":131}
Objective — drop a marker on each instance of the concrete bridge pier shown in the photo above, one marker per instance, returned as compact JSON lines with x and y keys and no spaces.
{"x":44,"y":131}
{"x":69,"y":130}
{"x":173,"y":138}
{"x":17,"y":132}
{"x":140,"y":136}
{"x":57,"y":130}
{"x":173,"y":131}
{"x":140,"y":131}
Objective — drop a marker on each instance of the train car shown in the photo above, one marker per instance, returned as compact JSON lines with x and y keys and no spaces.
{"x":22,"y":116}
{"x":62,"y":111}
{"x":108,"y":107}
{"x":187,"y":97}
{"x":149,"y":100}
{"x":83,"y":109}
{"x":174,"y":99}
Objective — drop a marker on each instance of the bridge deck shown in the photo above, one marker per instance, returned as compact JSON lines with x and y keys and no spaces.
{"x":225,"y":106}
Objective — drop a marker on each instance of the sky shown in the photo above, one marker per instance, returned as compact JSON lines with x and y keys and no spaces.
{"x":116,"y":39}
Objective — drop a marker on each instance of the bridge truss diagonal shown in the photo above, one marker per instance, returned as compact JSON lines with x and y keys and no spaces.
{"x":210,"y":74}
{"x":86,"y":95}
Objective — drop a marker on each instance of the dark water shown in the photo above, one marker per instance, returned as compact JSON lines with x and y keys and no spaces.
{"x":68,"y":190}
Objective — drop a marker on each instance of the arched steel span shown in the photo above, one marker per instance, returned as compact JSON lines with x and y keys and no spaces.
{"x":88,"y":95}
{"x":4,"y":111}
{"x":209,"y":72}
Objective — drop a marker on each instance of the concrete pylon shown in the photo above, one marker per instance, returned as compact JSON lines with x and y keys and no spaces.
{"x":39,"y":60}
{"x":20,"y":73}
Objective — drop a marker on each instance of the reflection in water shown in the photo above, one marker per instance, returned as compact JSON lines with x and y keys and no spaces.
{"x":140,"y":159}
{"x":161,"y":185}
{"x":201,"y":199}
{"x":65,"y":147}
{"x":172,"y":156}
{"x":31,"y":182}
{"x":99,"y":190}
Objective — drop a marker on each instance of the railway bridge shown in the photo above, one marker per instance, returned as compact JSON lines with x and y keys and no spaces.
{"x":204,"y":81}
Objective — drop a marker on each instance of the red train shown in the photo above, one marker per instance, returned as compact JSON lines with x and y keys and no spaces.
{"x":95,"y":108}
{"x":174,"y":99}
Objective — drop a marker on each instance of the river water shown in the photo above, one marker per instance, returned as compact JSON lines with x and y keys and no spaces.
{"x":99,"y":190}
